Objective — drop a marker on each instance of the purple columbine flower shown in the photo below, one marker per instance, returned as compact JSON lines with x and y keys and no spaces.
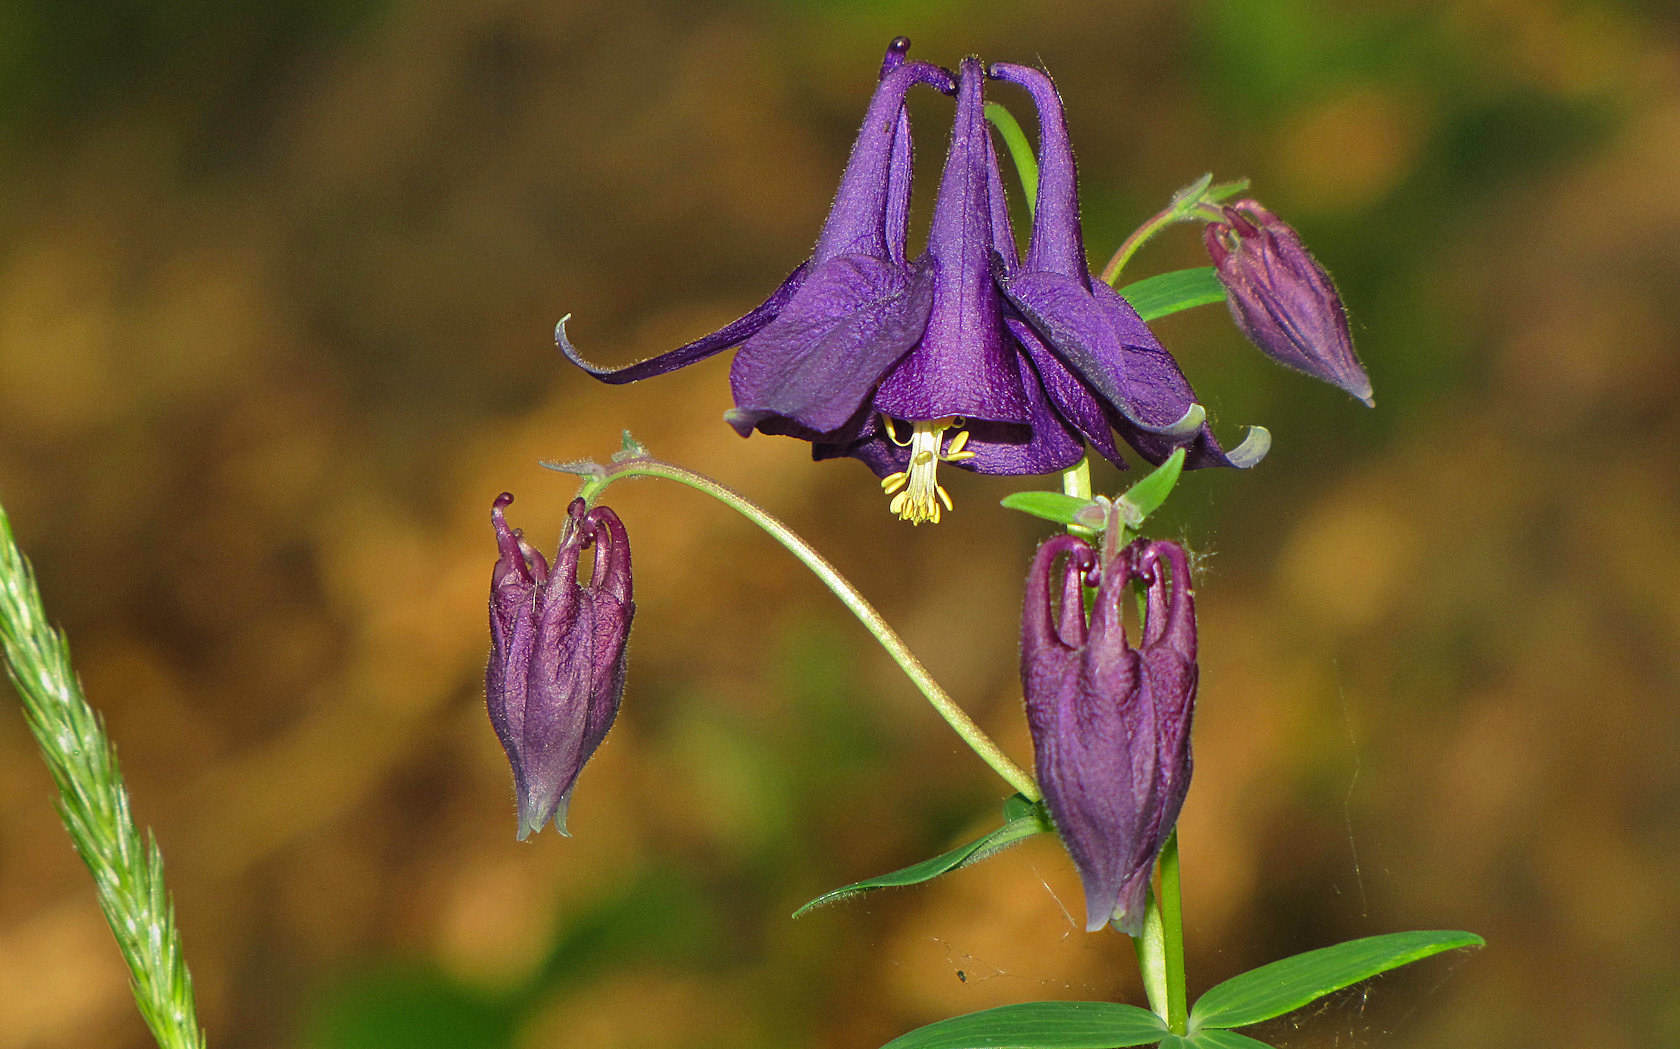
{"x":1101,"y":363}
{"x":1110,"y":724}
{"x":556,"y":672}
{"x":811,"y":354}
{"x":1282,"y":299}
{"x":964,"y":394}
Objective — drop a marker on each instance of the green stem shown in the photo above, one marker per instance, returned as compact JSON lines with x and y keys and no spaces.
{"x":1157,"y":222}
{"x":1020,"y":151}
{"x":1160,"y":950}
{"x":1076,"y":479}
{"x":1152,"y":959}
{"x":1171,"y":906}
{"x":93,"y":803}
{"x":1197,"y":202}
{"x":955,"y":716}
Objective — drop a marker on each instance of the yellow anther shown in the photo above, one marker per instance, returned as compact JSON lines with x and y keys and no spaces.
{"x":916,"y":491}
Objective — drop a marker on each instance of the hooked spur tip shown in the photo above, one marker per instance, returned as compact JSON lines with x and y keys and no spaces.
{"x":1255,"y":444}
{"x":742,"y":420}
{"x":1187,"y":424}
{"x":899,"y":45}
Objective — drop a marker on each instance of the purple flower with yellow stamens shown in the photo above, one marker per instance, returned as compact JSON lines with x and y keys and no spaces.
{"x":966,"y":394}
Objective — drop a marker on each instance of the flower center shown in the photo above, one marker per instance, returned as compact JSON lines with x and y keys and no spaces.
{"x":916,"y":492}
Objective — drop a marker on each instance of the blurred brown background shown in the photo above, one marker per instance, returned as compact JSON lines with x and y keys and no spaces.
{"x":276,"y":289}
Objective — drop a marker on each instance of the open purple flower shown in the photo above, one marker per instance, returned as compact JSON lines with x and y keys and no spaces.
{"x":1110,"y":724}
{"x":964,"y":394}
{"x":1101,"y":364}
{"x":556,"y":672}
{"x":811,"y":354}
{"x":1282,"y":299}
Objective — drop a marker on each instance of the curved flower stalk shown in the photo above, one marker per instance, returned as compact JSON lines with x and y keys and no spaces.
{"x":556,"y":673}
{"x":1110,"y":723}
{"x":1102,"y":364}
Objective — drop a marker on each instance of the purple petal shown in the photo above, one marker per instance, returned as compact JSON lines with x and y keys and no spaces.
{"x":1047,"y":444}
{"x":1003,"y":231}
{"x":964,"y":365}
{"x":731,"y":334}
{"x":1058,"y":243}
{"x":816,"y":363}
{"x":858,"y":221}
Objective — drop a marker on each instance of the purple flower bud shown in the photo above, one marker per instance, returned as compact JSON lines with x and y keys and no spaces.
{"x":1110,"y":723}
{"x":556,"y":672}
{"x":1282,"y":299}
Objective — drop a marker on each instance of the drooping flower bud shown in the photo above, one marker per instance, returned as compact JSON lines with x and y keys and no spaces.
{"x":556,"y":671}
{"x":1110,"y":723}
{"x":1282,"y":299}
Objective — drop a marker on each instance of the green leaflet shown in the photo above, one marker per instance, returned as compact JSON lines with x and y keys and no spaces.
{"x":1135,"y":504}
{"x":1040,"y":1025}
{"x":1023,"y":819}
{"x":1052,"y":506}
{"x":1146,"y":497}
{"x":1282,"y":986}
{"x":1216,"y":1038}
{"x":1168,"y":293}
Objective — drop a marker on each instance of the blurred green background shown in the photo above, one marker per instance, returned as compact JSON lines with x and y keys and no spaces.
{"x":277,"y":284}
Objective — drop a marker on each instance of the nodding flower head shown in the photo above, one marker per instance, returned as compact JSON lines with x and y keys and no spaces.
{"x":965,"y":355}
{"x":556,"y":672}
{"x":1110,"y":723}
{"x":1282,"y":299}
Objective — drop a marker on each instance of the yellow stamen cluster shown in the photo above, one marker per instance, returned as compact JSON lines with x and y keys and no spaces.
{"x":916,"y":492}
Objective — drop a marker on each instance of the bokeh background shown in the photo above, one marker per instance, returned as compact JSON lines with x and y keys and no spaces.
{"x":277,"y":284}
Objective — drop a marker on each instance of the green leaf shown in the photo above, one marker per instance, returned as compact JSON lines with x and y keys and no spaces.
{"x":1215,"y":1038}
{"x":1019,"y":806}
{"x":1167,"y":293}
{"x":1052,"y":506}
{"x":1040,"y":1025}
{"x":1033,"y":821}
{"x":1145,"y":497}
{"x":1282,"y":986}
{"x":1020,"y":151}
{"x":1225,"y":190}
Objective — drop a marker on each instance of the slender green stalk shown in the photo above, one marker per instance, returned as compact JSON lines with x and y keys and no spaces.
{"x":1020,"y":151}
{"x":93,"y":803}
{"x":964,"y":726}
{"x":1197,"y":202}
{"x":1076,"y":479}
{"x":1152,"y":959}
{"x":1171,"y":905}
{"x":1155,"y":224}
